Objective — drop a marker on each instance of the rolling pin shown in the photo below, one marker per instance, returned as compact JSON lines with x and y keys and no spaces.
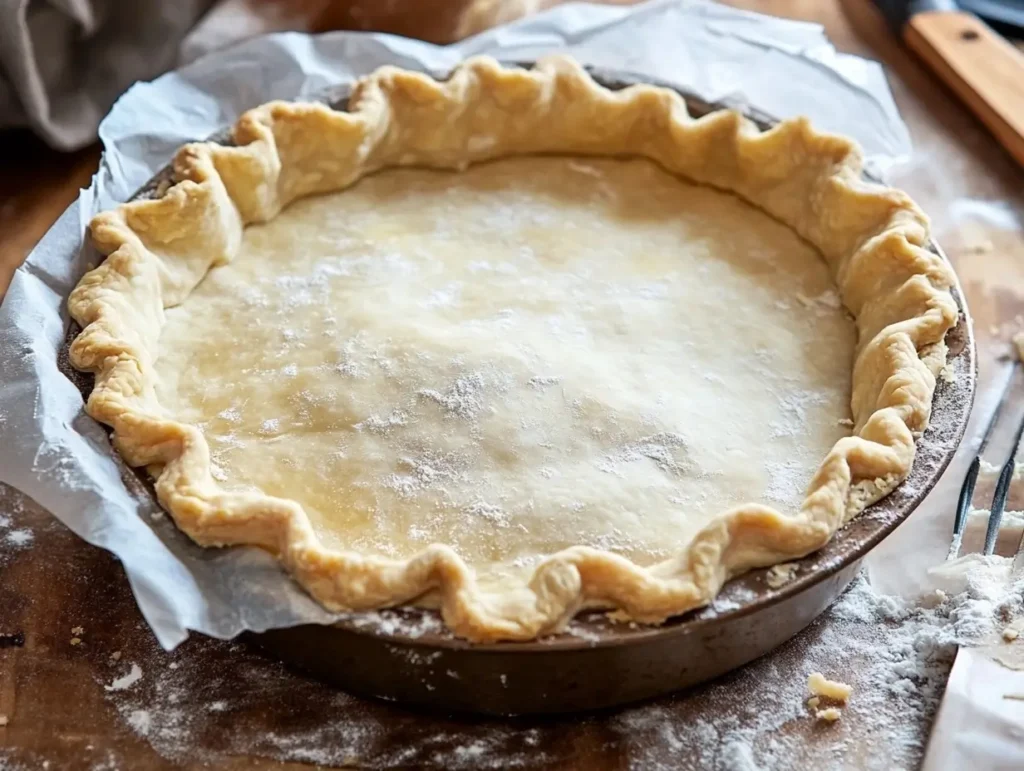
{"x":978,"y":64}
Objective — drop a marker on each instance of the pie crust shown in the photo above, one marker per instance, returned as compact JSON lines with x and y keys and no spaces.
{"x":872,"y":238}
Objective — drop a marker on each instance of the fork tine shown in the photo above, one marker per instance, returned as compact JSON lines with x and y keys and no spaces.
{"x":1018,"y":560}
{"x":995,"y":516}
{"x":963,"y":506}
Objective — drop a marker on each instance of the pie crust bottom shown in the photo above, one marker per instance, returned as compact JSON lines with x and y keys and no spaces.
{"x":512,"y":360}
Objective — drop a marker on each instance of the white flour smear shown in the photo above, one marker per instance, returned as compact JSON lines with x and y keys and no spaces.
{"x":896,"y":655}
{"x":14,"y":537}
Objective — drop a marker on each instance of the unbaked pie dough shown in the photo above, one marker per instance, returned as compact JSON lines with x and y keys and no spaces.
{"x":584,"y":351}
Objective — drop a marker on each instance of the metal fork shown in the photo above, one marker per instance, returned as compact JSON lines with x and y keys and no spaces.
{"x":1002,"y":490}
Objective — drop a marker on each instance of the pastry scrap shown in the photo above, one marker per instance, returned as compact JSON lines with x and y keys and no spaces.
{"x":829,"y":715}
{"x":819,"y":685}
{"x":195,"y":240}
{"x":823,"y":688}
{"x":781,"y":574}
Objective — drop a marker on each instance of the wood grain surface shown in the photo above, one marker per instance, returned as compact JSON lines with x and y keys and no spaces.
{"x":223,"y":705}
{"x":36,"y":185}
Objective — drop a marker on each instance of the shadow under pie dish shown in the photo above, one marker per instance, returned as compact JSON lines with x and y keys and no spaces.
{"x":514,"y":345}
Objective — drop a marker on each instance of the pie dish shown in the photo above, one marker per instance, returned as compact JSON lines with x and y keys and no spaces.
{"x":515,"y":345}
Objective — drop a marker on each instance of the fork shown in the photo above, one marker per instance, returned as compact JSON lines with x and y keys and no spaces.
{"x":1002,"y":490}
{"x":980,"y":692}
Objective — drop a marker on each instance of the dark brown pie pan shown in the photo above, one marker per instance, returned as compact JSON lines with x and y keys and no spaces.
{"x":407,"y":655}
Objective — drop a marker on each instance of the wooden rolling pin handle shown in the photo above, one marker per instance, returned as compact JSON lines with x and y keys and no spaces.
{"x":984,"y":70}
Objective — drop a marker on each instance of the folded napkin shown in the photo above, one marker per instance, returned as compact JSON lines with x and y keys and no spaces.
{"x":63,"y":63}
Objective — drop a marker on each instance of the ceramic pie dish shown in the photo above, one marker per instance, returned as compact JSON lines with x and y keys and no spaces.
{"x":899,"y":314}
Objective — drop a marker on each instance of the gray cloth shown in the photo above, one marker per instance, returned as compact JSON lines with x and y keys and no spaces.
{"x":63,"y":63}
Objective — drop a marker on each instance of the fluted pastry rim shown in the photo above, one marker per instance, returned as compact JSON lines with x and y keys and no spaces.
{"x":873,"y":238}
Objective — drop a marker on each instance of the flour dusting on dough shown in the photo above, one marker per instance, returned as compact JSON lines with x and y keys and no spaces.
{"x":523,"y":402}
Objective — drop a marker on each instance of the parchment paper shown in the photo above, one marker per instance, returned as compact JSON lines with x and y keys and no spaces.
{"x":981,"y":721}
{"x":53,"y":452}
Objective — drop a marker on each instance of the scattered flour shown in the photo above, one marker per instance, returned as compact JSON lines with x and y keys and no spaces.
{"x":462,"y":399}
{"x":425,"y":471}
{"x":793,"y":406}
{"x":19,"y":538}
{"x":126,"y":681}
{"x":141,"y":722}
{"x":786,"y":481}
{"x":378,"y":425}
{"x":13,"y":538}
{"x":209,"y":714}
{"x":488,"y":511}
{"x":661,"y":448}
{"x":732,"y":598}
{"x":543,"y":381}
{"x":399,"y":622}
{"x":991,"y":468}
{"x":896,"y":655}
{"x":231,"y":415}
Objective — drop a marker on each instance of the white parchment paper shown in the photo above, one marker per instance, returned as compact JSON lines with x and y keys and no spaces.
{"x":981,"y":721}
{"x":49,"y":448}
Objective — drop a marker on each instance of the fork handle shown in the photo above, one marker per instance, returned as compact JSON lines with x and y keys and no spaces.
{"x":984,"y":70}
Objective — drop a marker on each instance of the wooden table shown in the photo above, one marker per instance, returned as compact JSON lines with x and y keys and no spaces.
{"x":223,"y":704}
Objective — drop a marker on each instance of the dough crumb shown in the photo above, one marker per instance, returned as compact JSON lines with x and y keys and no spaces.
{"x":947,"y":374}
{"x":829,"y":715}
{"x":1010,"y":634}
{"x":846,"y":422}
{"x":76,"y":640}
{"x":3,"y":720}
{"x":780,"y":575}
{"x":77,"y":631}
{"x":933,"y":599}
{"x":115,"y":656}
{"x":813,"y":702}
{"x":819,"y":685}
